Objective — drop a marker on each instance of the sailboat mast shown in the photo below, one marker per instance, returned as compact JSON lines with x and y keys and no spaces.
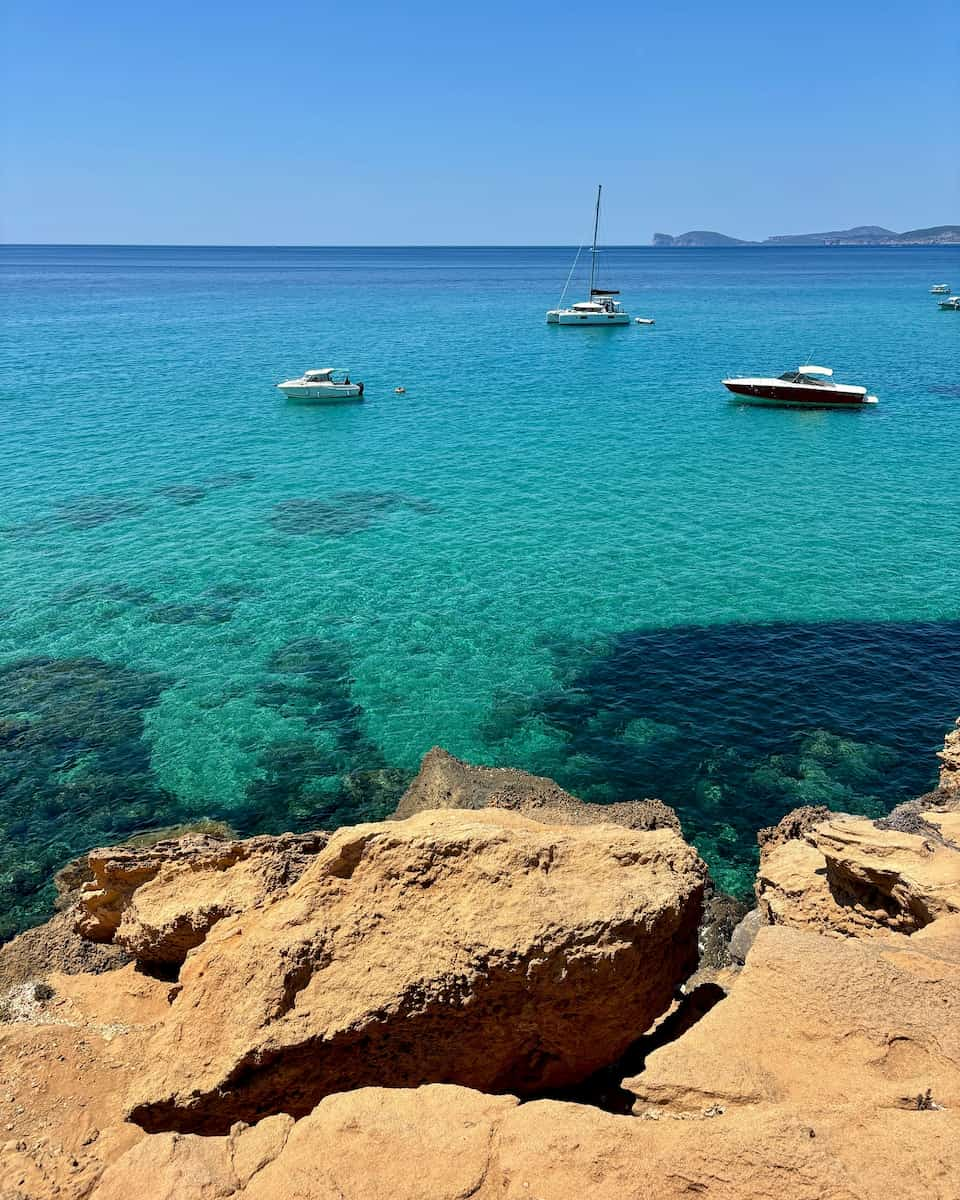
{"x":593,"y":255}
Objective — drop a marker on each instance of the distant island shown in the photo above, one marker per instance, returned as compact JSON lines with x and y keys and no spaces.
{"x":861,"y":235}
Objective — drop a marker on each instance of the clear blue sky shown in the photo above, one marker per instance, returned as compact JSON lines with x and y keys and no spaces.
{"x":421,"y":122}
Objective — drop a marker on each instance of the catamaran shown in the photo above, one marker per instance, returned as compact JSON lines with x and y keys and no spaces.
{"x":602,"y":308}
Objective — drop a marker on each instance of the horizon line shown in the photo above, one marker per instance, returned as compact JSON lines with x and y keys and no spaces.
{"x":743,"y":245}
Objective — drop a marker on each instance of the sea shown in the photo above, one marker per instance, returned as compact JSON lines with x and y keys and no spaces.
{"x":560,"y":549}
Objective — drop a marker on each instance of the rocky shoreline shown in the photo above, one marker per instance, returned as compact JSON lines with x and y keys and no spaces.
{"x":499,"y":992}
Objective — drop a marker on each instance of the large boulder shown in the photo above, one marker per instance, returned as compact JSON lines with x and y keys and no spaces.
{"x":477,"y":948}
{"x":448,"y":782}
{"x":845,"y":875}
{"x":159,"y":902}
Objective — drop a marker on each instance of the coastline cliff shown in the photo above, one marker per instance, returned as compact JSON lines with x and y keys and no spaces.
{"x":500,"y":992}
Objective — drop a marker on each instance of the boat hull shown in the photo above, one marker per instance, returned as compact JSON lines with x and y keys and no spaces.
{"x":797,"y":396}
{"x":318,"y":394}
{"x":574,"y":318}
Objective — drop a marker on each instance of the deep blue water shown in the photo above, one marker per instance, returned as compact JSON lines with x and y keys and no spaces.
{"x":561,"y":549}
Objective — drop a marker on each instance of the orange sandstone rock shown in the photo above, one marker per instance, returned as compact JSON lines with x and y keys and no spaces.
{"x":447,"y":1143}
{"x":950,"y":761}
{"x":161,"y":901}
{"x":822,"y":1022}
{"x":448,"y":782}
{"x":847,"y":876}
{"x":66,"y":1064}
{"x":478,"y":948}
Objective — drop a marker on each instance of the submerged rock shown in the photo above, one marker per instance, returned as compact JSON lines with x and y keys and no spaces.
{"x":865,"y":700}
{"x":342,"y":513}
{"x":314,"y":779}
{"x":183,"y":494}
{"x":192,"y":612}
{"x":74,"y":769}
{"x":80,"y":512}
{"x":480,"y":948}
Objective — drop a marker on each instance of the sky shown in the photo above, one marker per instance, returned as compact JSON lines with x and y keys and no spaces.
{"x":374,"y":123}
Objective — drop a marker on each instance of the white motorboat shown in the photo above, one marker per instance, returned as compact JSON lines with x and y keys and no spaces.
{"x":940,"y":289}
{"x":322,"y":387}
{"x":603,"y":308}
{"x":806,"y":387}
{"x":952,"y":303}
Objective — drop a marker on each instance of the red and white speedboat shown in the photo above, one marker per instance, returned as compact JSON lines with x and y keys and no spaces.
{"x":806,"y":387}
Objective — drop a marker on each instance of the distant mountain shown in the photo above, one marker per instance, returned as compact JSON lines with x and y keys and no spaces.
{"x":869,"y":235}
{"x":939,"y":235}
{"x":698,"y":237}
{"x":861,"y":235}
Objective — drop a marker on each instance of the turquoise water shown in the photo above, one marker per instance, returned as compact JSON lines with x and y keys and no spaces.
{"x":562,"y":549}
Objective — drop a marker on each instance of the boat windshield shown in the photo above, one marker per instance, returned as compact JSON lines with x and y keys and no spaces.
{"x":798,"y":377}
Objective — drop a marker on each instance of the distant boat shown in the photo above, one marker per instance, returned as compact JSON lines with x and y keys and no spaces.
{"x":321,"y":387}
{"x":952,"y":303}
{"x":602,"y":308}
{"x":940,"y":289}
{"x":806,"y":387}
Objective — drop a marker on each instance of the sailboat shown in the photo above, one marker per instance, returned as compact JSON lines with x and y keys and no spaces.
{"x":602,"y":308}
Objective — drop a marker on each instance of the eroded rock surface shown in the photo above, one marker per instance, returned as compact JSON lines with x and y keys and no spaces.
{"x":66,"y":1063}
{"x":160,"y":902}
{"x":845,"y":875}
{"x":478,"y":948}
{"x":447,"y":1143}
{"x":820,"y":1022}
{"x":55,"y":946}
{"x":448,"y":782}
{"x":950,"y":761}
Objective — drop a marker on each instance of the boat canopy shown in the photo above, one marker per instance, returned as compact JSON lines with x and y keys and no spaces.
{"x":604,"y":291}
{"x":323,"y":373}
{"x":808,"y":370}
